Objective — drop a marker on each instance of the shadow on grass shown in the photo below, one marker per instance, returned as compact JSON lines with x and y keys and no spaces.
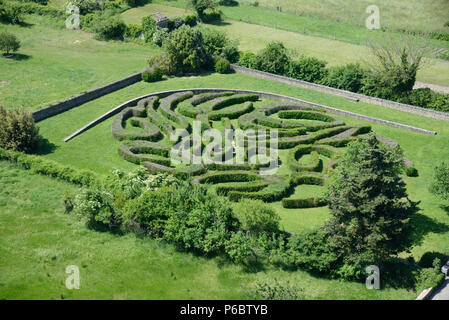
{"x":422,"y":225}
{"x":17,"y":56}
{"x":218,"y":23}
{"x":46,"y":147}
{"x":445,"y":208}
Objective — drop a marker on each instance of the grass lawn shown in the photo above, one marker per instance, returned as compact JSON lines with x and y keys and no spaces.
{"x":254,"y":36}
{"x":55,"y":63}
{"x":38,"y":241}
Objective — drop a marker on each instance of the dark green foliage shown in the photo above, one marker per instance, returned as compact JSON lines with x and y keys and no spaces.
{"x":9,"y":12}
{"x":307,"y":69}
{"x":256,"y":217}
{"x":34,"y":8}
{"x":411,"y":172}
{"x":369,"y":207}
{"x":222,"y":65}
{"x":136,"y":3}
{"x":191,"y":20}
{"x":429,"y":278}
{"x":8,"y":42}
{"x":109,"y":28}
{"x":186,"y":51}
{"x":160,"y":35}
{"x":152,"y":75}
{"x":148,"y":27}
{"x":440,"y":183}
{"x":199,"y":221}
{"x":18,"y":132}
{"x":97,"y":206}
{"x":348,"y":77}
{"x":292,"y":203}
{"x":247,"y":59}
{"x":86,"y":6}
{"x":217,"y":44}
{"x":41,"y":2}
{"x":133,"y":31}
{"x":273,"y":59}
{"x":432,"y":259}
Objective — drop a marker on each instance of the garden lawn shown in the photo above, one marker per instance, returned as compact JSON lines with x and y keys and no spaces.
{"x":38,"y":241}
{"x":54,"y":63}
{"x":97,"y":150}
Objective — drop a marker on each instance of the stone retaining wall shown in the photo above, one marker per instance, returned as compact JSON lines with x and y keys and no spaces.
{"x":266,"y":95}
{"x":80,"y":99}
{"x":342,"y":93}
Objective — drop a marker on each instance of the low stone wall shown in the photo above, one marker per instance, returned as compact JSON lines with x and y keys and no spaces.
{"x":342,"y":93}
{"x":266,"y":95}
{"x":80,"y":99}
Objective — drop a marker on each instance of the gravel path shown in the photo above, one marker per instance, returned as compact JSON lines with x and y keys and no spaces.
{"x":434,"y":87}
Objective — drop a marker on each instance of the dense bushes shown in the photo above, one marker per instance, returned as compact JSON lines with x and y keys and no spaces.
{"x":18,"y":131}
{"x":9,"y":13}
{"x":247,"y":59}
{"x":256,"y":217}
{"x":85,"y":6}
{"x":440,"y":183}
{"x":108,"y":28}
{"x":222,"y":65}
{"x":348,"y":77}
{"x":307,"y":69}
{"x":148,"y":27}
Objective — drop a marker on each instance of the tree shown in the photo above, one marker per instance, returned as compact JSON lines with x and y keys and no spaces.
{"x":274,"y":59}
{"x":202,"y":5}
{"x":185,"y":50}
{"x":369,"y":206}
{"x":394,"y":73}
{"x":9,"y":12}
{"x":440,"y":185}
{"x":8,"y":42}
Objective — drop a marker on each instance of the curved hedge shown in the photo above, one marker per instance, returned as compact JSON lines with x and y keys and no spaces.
{"x":144,"y":151}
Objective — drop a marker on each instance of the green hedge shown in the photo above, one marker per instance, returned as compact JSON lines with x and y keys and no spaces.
{"x":303,"y":203}
{"x":307,"y":115}
{"x":234,"y":113}
{"x":296,"y":153}
{"x":190,"y":171}
{"x":51,"y":168}
{"x":34,"y":8}
{"x":235,"y":99}
{"x":144,"y":151}
{"x":224,"y":189}
{"x":199,"y":99}
{"x":308,"y":178}
{"x":273,"y":192}
{"x":228,"y":176}
{"x":169,"y":104}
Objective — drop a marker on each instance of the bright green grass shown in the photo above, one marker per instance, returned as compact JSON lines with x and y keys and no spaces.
{"x":255,"y":37}
{"x":38,"y":241}
{"x":58,"y":63}
{"x":97,"y":150}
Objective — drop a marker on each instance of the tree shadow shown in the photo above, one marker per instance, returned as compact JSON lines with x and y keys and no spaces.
{"x":218,"y":23}
{"x":445,"y":208}
{"x":46,"y":147}
{"x":17,"y":56}
{"x":422,"y":225}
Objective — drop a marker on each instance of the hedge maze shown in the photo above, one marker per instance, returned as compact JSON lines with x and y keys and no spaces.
{"x":309,"y":142}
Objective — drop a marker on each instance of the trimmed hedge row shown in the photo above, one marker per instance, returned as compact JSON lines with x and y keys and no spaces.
{"x":153,"y":152}
{"x":221,"y":103}
{"x":273,"y":192}
{"x":307,"y":115}
{"x":270,"y":109}
{"x":190,"y":171}
{"x":199,"y":99}
{"x":229,"y":176}
{"x":51,"y":168}
{"x":308,"y":178}
{"x":342,"y":139}
{"x":224,"y":189}
{"x":154,"y":168}
{"x":326,"y":150}
{"x":296,"y":153}
{"x":303,"y":203}
{"x":169,"y":104}
{"x":231,"y":114}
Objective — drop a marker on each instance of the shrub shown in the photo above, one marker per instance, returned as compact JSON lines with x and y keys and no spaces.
{"x":8,"y":42}
{"x":18,"y":131}
{"x":247,"y":59}
{"x":191,"y":20}
{"x":273,"y":59}
{"x":149,"y":212}
{"x":133,"y":31}
{"x":200,"y":221}
{"x":275,"y":290}
{"x":256,"y":217}
{"x":162,"y":62}
{"x":152,"y":74}
{"x":440,"y":183}
{"x":97,"y":207}
{"x":217,"y":43}
{"x":422,"y":97}
{"x":429,"y":278}
{"x":440,"y":103}
{"x":148,"y":27}
{"x":411,"y":172}
{"x":109,"y":27}
{"x":9,"y":13}
{"x":307,"y":69}
{"x":185,"y":50}
{"x":160,"y":35}
{"x":175,"y":23}
{"x":41,"y":2}
{"x":136,"y":3}
{"x":222,"y":65}
{"x":348,"y":77}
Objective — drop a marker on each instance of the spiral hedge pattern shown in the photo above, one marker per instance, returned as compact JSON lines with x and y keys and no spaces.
{"x":310,"y":141}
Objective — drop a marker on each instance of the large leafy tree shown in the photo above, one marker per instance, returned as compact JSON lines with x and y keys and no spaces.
{"x":369,"y":206}
{"x":185,"y":50}
{"x":274,"y":58}
{"x":440,"y":185}
{"x":202,"y":5}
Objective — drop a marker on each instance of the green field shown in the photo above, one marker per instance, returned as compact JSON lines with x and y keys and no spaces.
{"x":318,"y":41}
